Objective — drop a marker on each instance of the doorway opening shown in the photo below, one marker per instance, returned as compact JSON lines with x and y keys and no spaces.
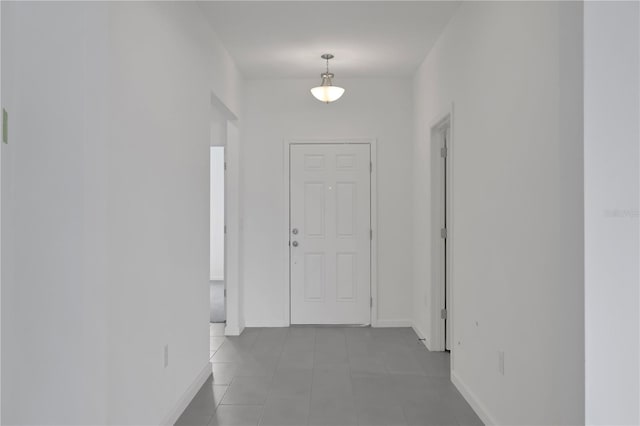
{"x":217,"y":291}
{"x":223,"y":155}
{"x":441,"y":233}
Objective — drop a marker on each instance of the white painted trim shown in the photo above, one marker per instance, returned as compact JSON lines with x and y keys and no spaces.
{"x":417,"y":330}
{"x":232,"y":222}
{"x":1,"y":106}
{"x":422,"y":336}
{"x":286,"y":296}
{"x":451,"y":234}
{"x":374,"y":218}
{"x":473,"y":401}
{"x":394,"y":323}
{"x":188,"y":395}
{"x":437,"y":296}
{"x":233,"y":330}
{"x":374,"y":226}
{"x":268,"y":324}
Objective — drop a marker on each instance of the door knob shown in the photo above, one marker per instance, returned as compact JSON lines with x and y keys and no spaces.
{"x":295,"y":244}
{"x":294,"y":231}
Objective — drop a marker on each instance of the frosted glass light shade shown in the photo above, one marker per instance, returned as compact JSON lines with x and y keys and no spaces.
{"x":327,"y":93}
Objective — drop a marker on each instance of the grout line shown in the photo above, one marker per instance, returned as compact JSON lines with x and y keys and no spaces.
{"x":313,"y":371}
{"x":218,"y":403}
{"x":353,"y":391}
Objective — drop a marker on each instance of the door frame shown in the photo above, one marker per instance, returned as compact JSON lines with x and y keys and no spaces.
{"x":438,"y":270}
{"x":224,"y":126}
{"x":372,"y":142}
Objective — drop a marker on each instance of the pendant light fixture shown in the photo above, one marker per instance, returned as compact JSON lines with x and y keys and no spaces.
{"x":327,"y":92}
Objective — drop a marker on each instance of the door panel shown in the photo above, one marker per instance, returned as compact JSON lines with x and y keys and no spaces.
{"x":330,"y":202}
{"x":314,"y":277}
{"x":346,"y":209}
{"x":346,"y":279}
{"x":314,"y":210}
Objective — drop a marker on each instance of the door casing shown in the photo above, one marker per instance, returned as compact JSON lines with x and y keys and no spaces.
{"x":286,"y":290}
{"x":440,"y":270}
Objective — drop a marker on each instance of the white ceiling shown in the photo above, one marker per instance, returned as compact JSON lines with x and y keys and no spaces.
{"x":284,"y":39}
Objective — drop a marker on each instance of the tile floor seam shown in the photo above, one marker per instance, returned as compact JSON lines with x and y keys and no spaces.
{"x":313,"y":364}
{"x":346,"y":345}
{"x":265,"y":398}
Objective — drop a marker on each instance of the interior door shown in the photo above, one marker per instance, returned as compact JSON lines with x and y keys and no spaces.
{"x":330,"y":233}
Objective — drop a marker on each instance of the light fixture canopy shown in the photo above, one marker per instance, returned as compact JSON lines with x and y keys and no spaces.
{"x":327,"y":92}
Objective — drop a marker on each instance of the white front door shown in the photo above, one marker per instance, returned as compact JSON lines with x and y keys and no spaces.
{"x":330,"y":225}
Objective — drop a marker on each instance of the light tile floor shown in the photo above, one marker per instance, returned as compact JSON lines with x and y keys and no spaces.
{"x":307,"y":376}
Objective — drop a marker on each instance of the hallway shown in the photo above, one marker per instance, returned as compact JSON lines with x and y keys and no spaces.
{"x":513,"y":236}
{"x":327,"y":376}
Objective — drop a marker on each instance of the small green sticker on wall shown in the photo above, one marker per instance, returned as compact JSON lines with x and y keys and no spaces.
{"x":5,"y":126}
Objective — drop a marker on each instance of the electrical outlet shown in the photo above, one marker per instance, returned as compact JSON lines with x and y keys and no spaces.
{"x":166,"y":356}
{"x":501,"y":362}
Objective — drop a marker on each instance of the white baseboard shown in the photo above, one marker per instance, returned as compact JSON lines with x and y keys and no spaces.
{"x":391,"y":323}
{"x":241,"y":324}
{"x":417,"y":330}
{"x":421,"y":335}
{"x":267,"y":324}
{"x":186,"y":398}
{"x":473,"y":401}
{"x":378,"y":324}
{"x":231,"y":330}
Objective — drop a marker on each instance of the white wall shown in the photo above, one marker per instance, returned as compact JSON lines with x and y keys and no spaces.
{"x":284,"y":109}
{"x":164,"y":63}
{"x":514,"y":74}
{"x":612,"y":253}
{"x":234,"y":266}
{"x":216,"y":209}
{"x":53,"y":283}
{"x":105,"y":208}
{"x":0,"y":228}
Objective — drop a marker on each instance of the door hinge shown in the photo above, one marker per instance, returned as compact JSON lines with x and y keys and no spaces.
{"x":371,"y":302}
{"x":225,"y":292}
{"x":443,"y":313}
{"x":443,"y":152}
{"x":225,"y":229}
{"x":371,"y":234}
{"x":443,"y":233}
{"x":225,"y":165}
{"x":370,"y":166}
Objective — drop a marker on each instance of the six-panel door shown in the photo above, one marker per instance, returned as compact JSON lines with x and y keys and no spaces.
{"x":330,"y":223}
